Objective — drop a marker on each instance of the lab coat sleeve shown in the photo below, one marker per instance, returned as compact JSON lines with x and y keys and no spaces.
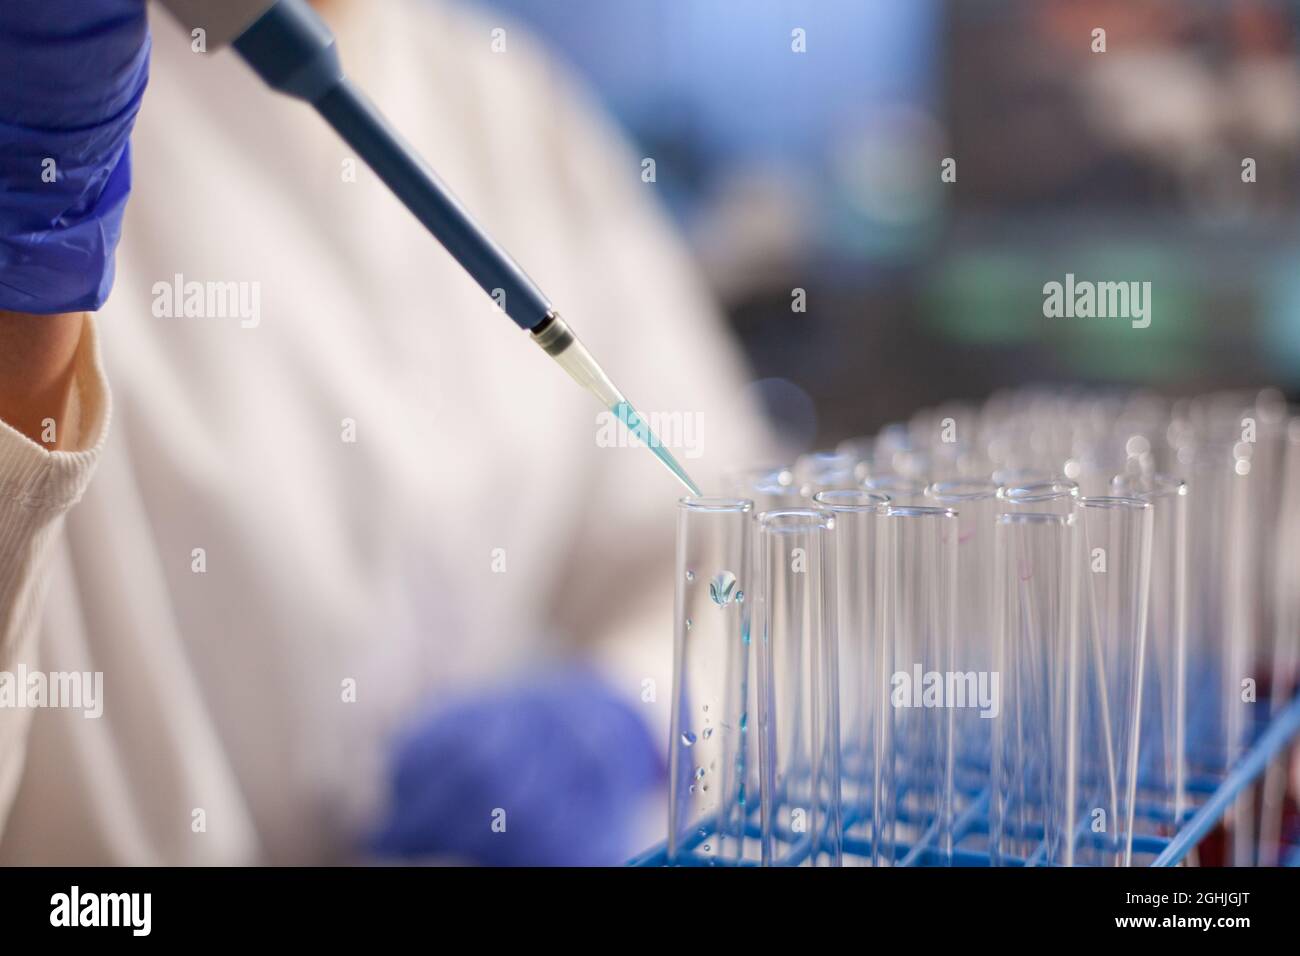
{"x":37,"y":487}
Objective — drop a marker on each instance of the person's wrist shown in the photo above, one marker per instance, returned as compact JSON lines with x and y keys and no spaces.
{"x":37,"y":354}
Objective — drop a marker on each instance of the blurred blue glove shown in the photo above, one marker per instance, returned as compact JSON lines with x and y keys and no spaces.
{"x":74,"y":73}
{"x":562,"y":756}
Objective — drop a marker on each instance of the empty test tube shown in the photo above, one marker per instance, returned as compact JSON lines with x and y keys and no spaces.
{"x":710,"y":752}
{"x":1286,"y":643}
{"x":865,"y":663}
{"x":1222,"y":665}
{"x":1113,"y":596}
{"x":976,"y":504}
{"x":798,"y":720}
{"x":1163,"y":759}
{"x":1032,"y":802}
{"x":1220,"y":621}
{"x":918,"y":584}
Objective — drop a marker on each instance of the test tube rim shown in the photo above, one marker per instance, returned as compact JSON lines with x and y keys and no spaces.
{"x":715,"y":504}
{"x":944,"y":491}
{"x":1040,"y":491}
{"x":919,"y":511}
{"x":876,"y":503}
{"x":772,"y":522}
{"x":1156,"y":487}
{"x":881,"y":484}
{"x":1114,"y":502}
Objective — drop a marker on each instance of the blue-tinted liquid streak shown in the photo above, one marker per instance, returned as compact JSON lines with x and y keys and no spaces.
{"x":628,"y":416}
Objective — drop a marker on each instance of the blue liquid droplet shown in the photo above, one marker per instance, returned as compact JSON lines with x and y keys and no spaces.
{"x":722,"y":588}
{"x":708,"y":732}
{"x":688,"y":738}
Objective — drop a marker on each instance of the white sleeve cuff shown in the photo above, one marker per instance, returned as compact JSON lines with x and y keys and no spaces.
{"x":43,"y":480}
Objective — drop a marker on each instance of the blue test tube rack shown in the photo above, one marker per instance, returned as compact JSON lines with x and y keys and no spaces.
{"x":1211,"y":796}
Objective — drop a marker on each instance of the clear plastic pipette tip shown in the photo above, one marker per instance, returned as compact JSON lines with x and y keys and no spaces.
{"x":559,"y":342}
{"x":637,"y":426}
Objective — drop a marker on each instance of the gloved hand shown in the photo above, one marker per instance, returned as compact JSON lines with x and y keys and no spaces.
{"x":74,"y":73}
{"x":559,"y":763}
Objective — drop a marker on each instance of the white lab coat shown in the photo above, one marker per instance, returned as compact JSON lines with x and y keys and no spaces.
{"x":226,"y":736}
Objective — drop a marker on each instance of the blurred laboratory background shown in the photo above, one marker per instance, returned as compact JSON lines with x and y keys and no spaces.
{"x":821,"y":171}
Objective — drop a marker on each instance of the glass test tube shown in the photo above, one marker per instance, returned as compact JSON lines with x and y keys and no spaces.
{"x":1162,"y":763}
{"x":918,"y":584}
{"x":1032,"y":803}
{"x":1054,"y":496}
{"x":1264,"y":434}
{"x":1286,"y":642}
{"x":1113,"y":594}
{"x":798,"y":715}
{"x":1221,"y":596}
{"x":1222,"y":665}
{"x":976,"y":504}
{"x":864,"y":664}
{"x":709,"y":749}
{"x":901,"y":491}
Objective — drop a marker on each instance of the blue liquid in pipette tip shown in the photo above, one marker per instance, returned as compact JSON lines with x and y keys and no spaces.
{"x":628,"y":416}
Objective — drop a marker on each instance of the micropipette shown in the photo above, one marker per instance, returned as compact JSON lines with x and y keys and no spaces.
{"x":291,"y":48}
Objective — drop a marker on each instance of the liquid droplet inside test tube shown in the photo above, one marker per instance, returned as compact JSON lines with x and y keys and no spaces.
{"x":722,"y":587}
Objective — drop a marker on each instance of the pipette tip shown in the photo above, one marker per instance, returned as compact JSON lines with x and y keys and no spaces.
{"x":555,"y":338}
{"x":637,"y":426}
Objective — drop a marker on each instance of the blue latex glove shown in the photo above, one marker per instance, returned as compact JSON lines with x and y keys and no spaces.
{"x":72,"y":73}
{"x":564,"y":757}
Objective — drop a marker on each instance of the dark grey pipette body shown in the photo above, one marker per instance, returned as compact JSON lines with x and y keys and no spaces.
{"x":292,"y":49}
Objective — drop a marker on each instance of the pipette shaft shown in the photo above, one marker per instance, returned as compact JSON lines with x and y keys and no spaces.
{"x":293,"y":50}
